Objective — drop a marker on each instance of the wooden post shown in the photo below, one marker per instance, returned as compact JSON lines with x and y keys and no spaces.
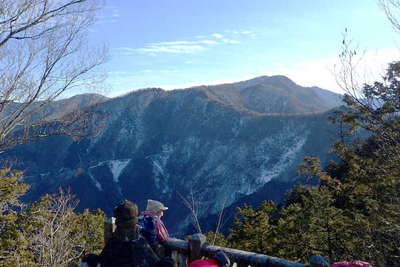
{"x":109,"y":228}
{"x":175,"y":257}
{"x":196,"y":243}
{"x":182,"y":260}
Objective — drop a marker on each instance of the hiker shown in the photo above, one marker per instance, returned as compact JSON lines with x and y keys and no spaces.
{"x":126,"y":247}
{"x":152,"y":227}
{"x":220,"y":259}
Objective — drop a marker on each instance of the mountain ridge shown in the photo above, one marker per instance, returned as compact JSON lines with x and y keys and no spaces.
{"x":156,"y":143}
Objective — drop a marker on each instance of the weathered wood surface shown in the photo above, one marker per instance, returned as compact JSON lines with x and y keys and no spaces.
{"x":109,"y":229}
{"x":179,"y":245}
{"x":182,"y":251}
{"x":196,"y":245}
{"x":242,"y":258}
{"x":182,"y":260}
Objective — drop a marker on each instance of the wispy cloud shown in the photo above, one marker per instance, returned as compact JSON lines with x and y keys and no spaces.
{"x":209,"y":42}
{"x":242,"y":33}
{"x":173,"y":43}
{"x":171,"y":48}
{"x":199,"y":44}
{"x":110,"y":15}
{"x":115,"y":13}
{"x":224,"y":39}
{"x":323,"y":72}
{"x":230,"y":41}
{"x":217,"y":35}
{"x":125,"y":51}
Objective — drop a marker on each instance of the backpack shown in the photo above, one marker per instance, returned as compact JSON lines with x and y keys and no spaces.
{"x":147,"y":225}
{"x":120,"y":253}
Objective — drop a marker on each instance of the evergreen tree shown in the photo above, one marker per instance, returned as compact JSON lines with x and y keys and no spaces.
{"x":91,"y":224}
{"x":14,"y":246}
{"x":48,"y":232}
{"x":354,"y":211}
{"x":252,"y":229}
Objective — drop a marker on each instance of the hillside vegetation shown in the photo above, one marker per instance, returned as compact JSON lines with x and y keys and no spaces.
{"x":354,"y":212}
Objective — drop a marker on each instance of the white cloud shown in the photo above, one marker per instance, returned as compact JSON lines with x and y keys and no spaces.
{"x":202,"y":43}
{"x":125,"y":51}
{"x":246,"y":32}
{"x":209,"y":42}
{"x":178,"y":47}
{"x":217,"y":35}
{"x":230,"y":41}
{"x":321,"y":72}
{"x":115,"y":13}
{"x":110,"y":15}
{"x":173,"y":49}
{"x":117,"y":73}
{"x":243,"y":33}
{"x":174,"y":43}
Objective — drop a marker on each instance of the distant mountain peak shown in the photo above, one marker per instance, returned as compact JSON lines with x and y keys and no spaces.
{"x":156,"y":143}
{"x":271,"y":95}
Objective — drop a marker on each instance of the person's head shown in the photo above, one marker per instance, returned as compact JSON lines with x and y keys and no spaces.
{"x":126,"y":213}
{"x":221,"y":258}
{"x":156,"y":207}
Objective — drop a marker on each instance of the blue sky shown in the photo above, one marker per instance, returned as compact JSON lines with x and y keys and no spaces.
{"x":181,"y":43}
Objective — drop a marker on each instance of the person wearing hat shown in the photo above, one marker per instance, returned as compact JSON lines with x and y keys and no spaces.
{"x":126,"y":247}
{"x":152,"y":227}
{"x":220,"y":259}
{"x":126,"y":219}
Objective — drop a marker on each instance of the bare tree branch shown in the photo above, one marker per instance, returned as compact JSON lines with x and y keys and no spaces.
{"x":391,"y":9}
{"x":219,"y":221}
{"x":192,"y":206}
{"x":43,"y":54}
{"x":53,"y":238}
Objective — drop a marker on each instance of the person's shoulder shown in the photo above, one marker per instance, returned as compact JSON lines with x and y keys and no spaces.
{"x":140,"y":242}
{"x":142,"y":246}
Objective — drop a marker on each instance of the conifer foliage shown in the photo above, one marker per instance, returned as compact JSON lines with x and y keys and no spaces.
{"x":354,"y":211}
{"x":47,"y":232}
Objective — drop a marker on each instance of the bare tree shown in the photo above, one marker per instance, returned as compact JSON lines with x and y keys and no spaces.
{"x":194,"y":205}
{"x":54,"y":240}
{"x":43,"y":53}
{"x":392,"y":11}
{"x":348,"y":76}
{"x":374,"y":107}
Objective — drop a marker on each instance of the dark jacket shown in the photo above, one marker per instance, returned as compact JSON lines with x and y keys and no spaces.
{"x":134,"y":253}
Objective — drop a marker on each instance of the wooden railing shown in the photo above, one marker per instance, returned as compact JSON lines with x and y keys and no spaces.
{"x":196,"y":248}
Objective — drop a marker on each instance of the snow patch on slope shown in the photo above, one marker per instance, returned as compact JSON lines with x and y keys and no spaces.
{"x":117,"y":166}
{"x":233,"y":170}
{"x":267,"y":174}
{"x":159,"y":162}
{"x":95,"y":182}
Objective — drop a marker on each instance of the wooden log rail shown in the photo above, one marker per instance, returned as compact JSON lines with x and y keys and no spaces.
{"x":196,"y":248}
